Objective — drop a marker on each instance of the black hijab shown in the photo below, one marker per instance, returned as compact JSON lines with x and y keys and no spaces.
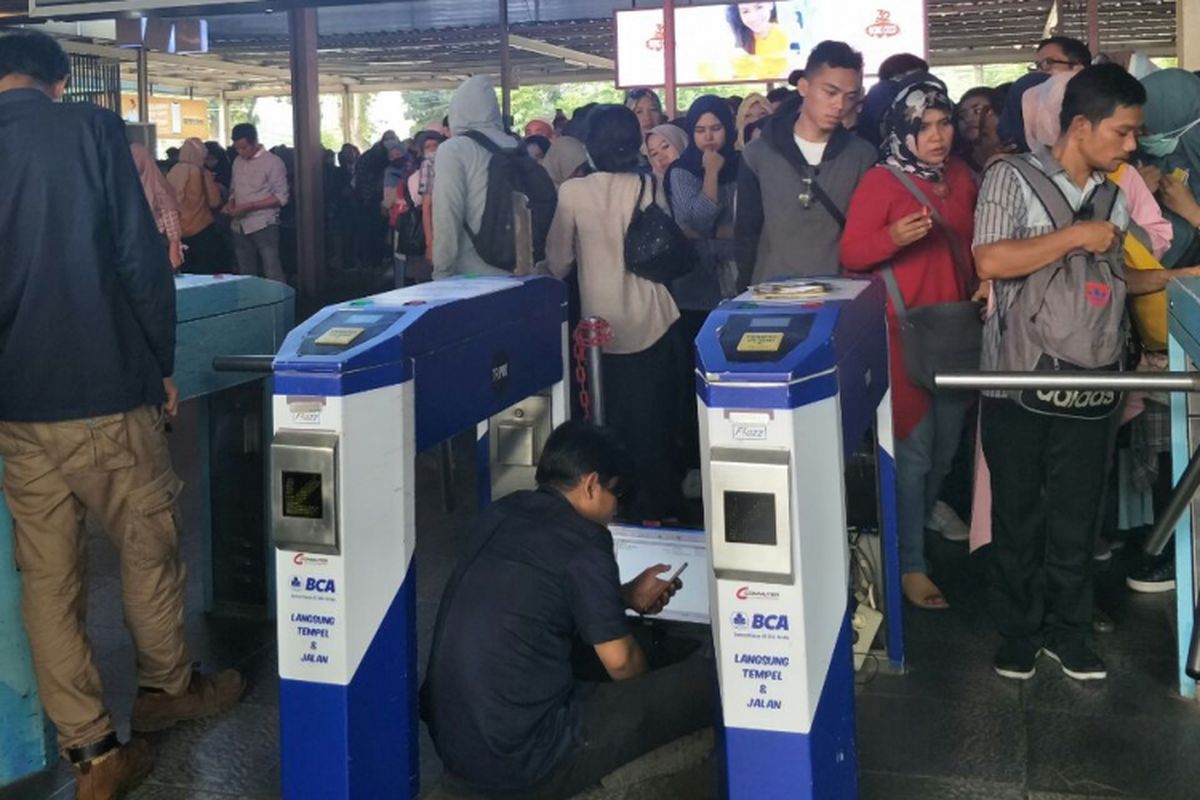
{"x":692,"y":158}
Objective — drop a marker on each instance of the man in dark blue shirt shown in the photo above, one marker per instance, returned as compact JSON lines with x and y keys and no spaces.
{"x":505,"y":709}
{"x":87,"y":349}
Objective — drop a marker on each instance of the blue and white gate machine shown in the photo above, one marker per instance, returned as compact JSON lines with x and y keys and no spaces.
{"x":360,"y":388}
{"x":788,"y":389}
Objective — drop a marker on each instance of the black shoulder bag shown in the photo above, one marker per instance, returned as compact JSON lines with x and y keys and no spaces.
{"x":656,"y":248}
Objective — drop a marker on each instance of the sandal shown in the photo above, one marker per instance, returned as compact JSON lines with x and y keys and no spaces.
{"x":922,"y":592}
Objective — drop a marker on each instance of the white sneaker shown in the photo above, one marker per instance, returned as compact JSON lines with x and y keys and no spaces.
{"x":945,"y":521}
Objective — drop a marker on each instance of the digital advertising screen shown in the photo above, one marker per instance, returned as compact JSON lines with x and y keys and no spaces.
{"x":759,"y":42}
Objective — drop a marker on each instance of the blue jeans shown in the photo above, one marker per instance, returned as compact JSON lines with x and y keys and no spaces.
{"x":922,"y":463}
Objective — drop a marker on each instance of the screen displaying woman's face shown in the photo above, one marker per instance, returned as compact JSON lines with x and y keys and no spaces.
{"x":756,"y":16}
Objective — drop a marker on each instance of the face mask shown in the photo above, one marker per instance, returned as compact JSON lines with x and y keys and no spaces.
{"x":1160,"y":145}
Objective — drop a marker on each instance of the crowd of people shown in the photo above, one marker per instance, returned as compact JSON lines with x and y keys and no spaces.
{"x":941,"y":201}
{"x":819,"y":178}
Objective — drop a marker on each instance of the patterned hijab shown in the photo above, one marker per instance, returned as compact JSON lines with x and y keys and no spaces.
{"x":902,"y":123}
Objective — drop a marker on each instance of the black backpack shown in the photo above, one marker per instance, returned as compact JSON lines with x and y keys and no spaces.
{"x":511,"y":172}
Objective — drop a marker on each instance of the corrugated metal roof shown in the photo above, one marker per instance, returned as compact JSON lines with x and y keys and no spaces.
{"x":435,"y":42}
{"x":422,"y":39}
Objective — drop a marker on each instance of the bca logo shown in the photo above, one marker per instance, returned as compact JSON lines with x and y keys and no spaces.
{"x":319,"y":585}
{"x":739,"y":621}
{"x":296,"y":583}
{"x":770,"y":622}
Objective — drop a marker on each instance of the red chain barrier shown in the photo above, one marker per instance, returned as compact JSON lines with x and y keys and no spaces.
{"x":590,"y":332}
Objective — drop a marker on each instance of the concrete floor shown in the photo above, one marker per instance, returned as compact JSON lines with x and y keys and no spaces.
{"x":947,"y":729}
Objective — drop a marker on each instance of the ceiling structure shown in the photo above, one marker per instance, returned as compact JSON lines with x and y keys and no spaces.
{"x":433,"y":43}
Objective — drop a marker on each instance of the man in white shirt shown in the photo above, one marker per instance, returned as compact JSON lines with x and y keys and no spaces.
{"x":259,"y":190}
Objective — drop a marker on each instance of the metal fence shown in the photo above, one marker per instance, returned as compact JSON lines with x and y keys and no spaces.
{"x":95,"y":80}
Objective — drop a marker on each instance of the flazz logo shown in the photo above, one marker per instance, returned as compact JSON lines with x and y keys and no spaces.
{"x":500,"y":372}
{"x":1098,"y":294}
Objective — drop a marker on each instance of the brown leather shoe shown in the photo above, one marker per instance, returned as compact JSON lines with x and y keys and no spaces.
{"x":206,"y":696}
{"x":114,"y":774}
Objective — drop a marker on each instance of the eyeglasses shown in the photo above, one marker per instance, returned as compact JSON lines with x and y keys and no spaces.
{"x":1046,"y":64}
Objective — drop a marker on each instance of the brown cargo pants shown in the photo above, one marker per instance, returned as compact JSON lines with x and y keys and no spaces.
{"x":118,"y":468}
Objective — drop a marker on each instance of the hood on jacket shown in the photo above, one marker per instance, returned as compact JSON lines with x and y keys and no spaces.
{"x":474,"y":108}
{"x":779,"y":136}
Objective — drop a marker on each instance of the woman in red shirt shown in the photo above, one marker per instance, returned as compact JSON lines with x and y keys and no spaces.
{"x":887,"y":225}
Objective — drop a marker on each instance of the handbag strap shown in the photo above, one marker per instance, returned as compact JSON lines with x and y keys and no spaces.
{"x":827,"y":201}
{"x":955,"y":252}
{"x":893,"y":290}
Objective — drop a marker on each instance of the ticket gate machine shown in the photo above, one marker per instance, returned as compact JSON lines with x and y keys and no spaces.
{"x":788,"y":389}
{"x":360,"y":388}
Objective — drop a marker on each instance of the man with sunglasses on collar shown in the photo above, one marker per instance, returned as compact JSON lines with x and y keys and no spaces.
{"x":534,"y":601}
{"x":796,"y":179}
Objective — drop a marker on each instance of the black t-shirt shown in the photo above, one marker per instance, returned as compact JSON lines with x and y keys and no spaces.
{"x":500,"y":691}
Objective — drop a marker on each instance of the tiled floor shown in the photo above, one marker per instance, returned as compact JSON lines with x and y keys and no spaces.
{"x":948,"y":729}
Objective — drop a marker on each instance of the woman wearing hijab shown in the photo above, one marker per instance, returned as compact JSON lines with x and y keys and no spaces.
{"x":754,"y":108}
{"x":888,"y":226}
{"x":1011,"y":127}
{"x":645,"y":360}
{"x":198,"y":195}
{"x":161,"y":198}
{"x":567,"y":158}
{"x":1172,"y":144}
{"x":701,"y":186}
{"x":664,"y":145}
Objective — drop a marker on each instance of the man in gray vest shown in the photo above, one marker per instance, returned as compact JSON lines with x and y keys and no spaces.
{"x":796,"y":179}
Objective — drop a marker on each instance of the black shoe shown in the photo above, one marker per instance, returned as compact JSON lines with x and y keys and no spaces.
{"x":1077,"y":660}
{"x":1016,"y":659}
{"x":1152,"y":576}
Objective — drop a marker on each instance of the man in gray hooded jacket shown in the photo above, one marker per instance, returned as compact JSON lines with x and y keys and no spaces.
{"x":462,"y":179}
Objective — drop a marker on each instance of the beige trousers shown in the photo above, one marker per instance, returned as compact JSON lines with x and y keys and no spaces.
{"x":118,"y":468}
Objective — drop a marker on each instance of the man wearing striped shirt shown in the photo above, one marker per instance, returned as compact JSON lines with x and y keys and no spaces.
{"x":1047,"y":472}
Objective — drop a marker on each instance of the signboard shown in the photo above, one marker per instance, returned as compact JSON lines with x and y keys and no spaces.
{"x":84,"y":8}
{"x":759,"y":42}
{"x":174,"y":118}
